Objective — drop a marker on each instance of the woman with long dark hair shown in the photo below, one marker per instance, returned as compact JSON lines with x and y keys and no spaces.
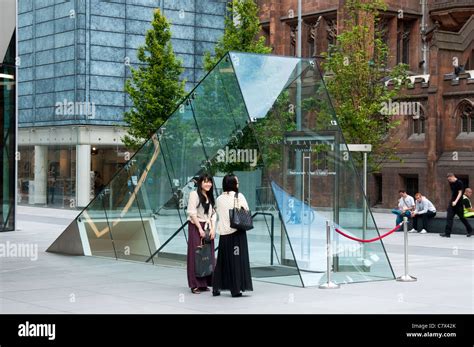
{"x":232,"y":271}
{"x":201,"y":215}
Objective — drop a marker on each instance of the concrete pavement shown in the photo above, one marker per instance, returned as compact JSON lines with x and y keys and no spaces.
{"x":55,"y":283}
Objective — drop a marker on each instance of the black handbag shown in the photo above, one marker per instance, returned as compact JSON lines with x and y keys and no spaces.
{"x":203,"y":260}
{"x":240,"y":218}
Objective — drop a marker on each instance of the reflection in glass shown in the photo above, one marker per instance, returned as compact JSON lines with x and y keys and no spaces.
{"x":270,"y":121}
{"x":7,"y":141}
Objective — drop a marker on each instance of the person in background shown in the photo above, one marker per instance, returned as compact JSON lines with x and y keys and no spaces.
{"x":187,"y":189}
{"x":455,"y":206}
{"x":52,"y":180}
{"x":232,"y":270}
{"x":98,"y":183}
{"x":406,"y":204}
{"x":424,"y":210}
{"x":201,"y":215}
{"x":466,"y":203}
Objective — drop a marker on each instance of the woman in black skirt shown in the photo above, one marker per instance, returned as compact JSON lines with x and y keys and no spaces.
{"x":201,"y":214}
{"x":232,"y":270}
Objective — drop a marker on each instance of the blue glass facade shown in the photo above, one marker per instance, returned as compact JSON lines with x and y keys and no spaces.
{"x":74,"y":60}
{"x":80,"y":50}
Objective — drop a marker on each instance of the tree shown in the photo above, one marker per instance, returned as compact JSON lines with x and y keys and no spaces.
{"x":242,"y":27}
{"x":356,"y":69}
{"x":154,"y":88}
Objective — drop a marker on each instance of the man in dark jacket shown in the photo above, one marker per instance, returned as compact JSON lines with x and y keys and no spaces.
{"x":455,"y":206}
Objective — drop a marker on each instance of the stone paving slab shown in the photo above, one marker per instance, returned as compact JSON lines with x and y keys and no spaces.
{"x":73,"y":284}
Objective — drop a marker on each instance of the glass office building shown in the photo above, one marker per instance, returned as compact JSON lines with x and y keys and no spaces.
{"x":268,"y":119}
{"x":75,"y":57}
{"x":8,"y":81}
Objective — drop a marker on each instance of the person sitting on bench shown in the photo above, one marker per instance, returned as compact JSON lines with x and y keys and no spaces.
{"x":424,"y":210}
{"x":406,"y":204}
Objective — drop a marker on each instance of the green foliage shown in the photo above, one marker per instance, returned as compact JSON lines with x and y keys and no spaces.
{"x":241,"y":140}
{"x":266,"y":135}
{"x":154,"y":88}
{"x":319,"y":108}
{"x":356,"y":69}
{"x":240,"y":34}
{"x":270,"y":131}
{"x":242,"y":28}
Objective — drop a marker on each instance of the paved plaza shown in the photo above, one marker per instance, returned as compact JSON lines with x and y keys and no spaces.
{"x":55,"y":283}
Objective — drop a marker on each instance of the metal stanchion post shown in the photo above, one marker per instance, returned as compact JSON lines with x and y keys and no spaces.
{"x":329,"y":284}
{"x":406,"y":277}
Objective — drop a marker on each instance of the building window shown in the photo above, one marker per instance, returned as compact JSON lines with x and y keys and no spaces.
{"x":466,"y":116}
{"x":378,"y":189}
{"x":313,"y":36}
{"x":316,"y":31}
{"x":411,"y":184}
{"x":418,"y":125}
{"x":417,"y":119}
{"x":382,"y":32}
{"x":293,"y":38}
{"x":266,"y":34}
{"x":331,"y":29}
{"x":406,"y":48}
{"x":464,"y":179}
{"x":403,"y":42}
{"x":311,"y":49}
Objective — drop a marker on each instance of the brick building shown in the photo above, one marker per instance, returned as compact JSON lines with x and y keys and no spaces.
{"x":436,"y":39}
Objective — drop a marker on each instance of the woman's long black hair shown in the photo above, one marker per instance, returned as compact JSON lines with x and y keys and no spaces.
{"x":229,"y":183}
{"x":205,"y":177}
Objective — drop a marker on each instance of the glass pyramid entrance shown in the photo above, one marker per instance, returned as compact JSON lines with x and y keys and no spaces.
{"x":269,"y":120}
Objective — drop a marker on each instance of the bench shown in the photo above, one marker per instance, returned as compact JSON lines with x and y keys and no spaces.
{"x":438,"y":224}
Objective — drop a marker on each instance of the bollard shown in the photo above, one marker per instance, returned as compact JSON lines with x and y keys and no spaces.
{"x":329,"y":284}
{"x":406,"y":277}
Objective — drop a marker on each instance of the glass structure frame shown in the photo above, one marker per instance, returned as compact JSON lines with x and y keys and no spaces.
{"x":8,"y":81}
{"x":269,"y":119}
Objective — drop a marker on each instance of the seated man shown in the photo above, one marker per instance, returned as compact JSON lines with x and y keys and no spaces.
{"x":466,"y":203}
{"x":424,"y":209}
{"x":406,"y":204}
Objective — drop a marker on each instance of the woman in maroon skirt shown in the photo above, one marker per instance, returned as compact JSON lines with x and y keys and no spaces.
{"x":201,"y":214}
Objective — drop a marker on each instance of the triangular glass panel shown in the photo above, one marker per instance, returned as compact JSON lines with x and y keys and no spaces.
{"x":269,"y":120}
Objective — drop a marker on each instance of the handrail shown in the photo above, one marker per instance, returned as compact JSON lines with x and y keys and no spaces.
{"x":167,"y":241}
{"x":255,"y":214}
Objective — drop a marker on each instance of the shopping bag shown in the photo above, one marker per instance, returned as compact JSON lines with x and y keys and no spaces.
{"x":203,"y":260}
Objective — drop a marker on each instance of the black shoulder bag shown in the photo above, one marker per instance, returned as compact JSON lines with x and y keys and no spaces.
{"x":240,"y":218}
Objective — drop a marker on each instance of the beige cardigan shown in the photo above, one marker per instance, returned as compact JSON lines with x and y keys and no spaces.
{"x":224,"y":203}
{"x":198,"y":211}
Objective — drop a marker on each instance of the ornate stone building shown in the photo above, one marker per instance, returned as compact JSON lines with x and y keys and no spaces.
{"x":436,"y":39}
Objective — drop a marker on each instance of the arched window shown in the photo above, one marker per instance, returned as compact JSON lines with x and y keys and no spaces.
{"x":465,"y":112}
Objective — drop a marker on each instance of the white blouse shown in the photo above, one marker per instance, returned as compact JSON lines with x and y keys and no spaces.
{"x":224,"y":203}
{"x":196,"y":209}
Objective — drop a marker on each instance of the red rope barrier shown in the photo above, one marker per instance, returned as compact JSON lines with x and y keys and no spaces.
{"x":371,"y":240}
